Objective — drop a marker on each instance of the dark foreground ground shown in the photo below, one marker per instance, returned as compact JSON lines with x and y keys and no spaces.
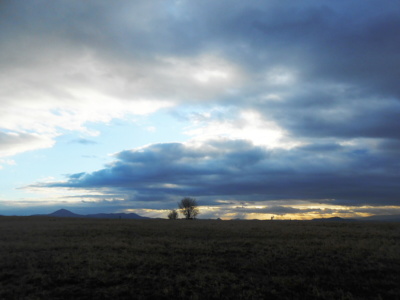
{"x":55,"y":258}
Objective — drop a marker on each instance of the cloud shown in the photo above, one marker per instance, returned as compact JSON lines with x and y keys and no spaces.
{"x":240,"y":170}
{"x":83,"y":141}
{"x":12,"y":143}
{"x":248,"y":125}
{"x":330,"y":65}
{"x":273,"y":210}
{"x":101,"y":65}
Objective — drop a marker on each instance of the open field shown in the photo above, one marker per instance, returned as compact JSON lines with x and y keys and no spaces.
{"x":60,"y":258}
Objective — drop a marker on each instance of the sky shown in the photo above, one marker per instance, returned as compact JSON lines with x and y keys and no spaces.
{"x":258,"y":109}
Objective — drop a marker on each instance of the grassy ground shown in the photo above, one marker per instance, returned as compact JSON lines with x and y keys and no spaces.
{"x":56,"y":258}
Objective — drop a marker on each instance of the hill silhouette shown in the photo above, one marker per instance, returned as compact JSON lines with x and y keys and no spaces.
{"x":333,"y":219}
{"x":64,"y":213}
{"x":382,"y":218}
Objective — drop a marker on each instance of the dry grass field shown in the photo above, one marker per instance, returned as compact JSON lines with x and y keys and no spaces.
{"x":59,"y":258}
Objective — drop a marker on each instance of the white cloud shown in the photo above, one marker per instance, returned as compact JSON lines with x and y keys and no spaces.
{"x":65,"y":88}
{"x":12,"y":143}
{"x":71,"y":92}
{"x":250,"y":125}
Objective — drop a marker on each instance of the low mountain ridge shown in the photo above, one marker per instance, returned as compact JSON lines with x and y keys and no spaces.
{"x":375,"y":218}
{"x":64,"y":213}
{"x":333,"y":219}
{"x":382,"y":218}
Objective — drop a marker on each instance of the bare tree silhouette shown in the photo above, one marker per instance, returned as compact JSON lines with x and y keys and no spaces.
{"x":173,"y":214}
{"x":188,"y":207}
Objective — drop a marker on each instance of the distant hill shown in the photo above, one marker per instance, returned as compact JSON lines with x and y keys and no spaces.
{"x":376,"y":218}
{"x":333,"y":219}
{"x":116,"y":216}
{"x":383,"y":218}
{"x":63,"y":213}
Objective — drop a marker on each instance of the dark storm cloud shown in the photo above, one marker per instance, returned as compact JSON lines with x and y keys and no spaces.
{"x":238,"y":170}
{"x":340,"y":41}
{"x":345,"y":56}
{"x":338,"y":116}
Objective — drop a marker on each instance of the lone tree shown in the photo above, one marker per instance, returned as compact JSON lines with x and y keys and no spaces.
{"x":188,"y":207}
{"x":173,"y":214}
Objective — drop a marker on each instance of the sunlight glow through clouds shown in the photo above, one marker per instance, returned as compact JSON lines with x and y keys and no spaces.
{"x":250,"y":212}
{"x":304,"y":212}
{"x":249,"y":126}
